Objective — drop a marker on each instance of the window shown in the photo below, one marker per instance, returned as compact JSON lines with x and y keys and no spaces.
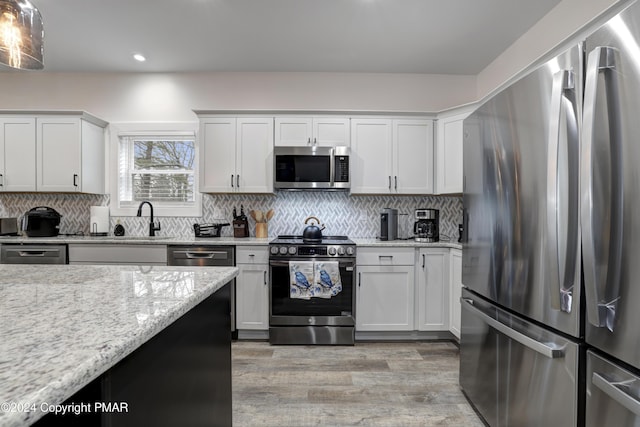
{"x":158,"y":167}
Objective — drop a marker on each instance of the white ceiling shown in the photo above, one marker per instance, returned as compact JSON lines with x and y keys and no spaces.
{"x":381,"y":36}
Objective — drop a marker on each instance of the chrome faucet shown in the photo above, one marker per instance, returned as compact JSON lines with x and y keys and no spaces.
{"x":152,"y":225}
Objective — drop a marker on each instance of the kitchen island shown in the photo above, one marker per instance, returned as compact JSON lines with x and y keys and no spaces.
{"x":140,"y":337}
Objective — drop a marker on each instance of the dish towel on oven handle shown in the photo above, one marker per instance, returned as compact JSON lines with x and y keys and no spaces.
{"x":301,"y":279}
{"x":327,"y":277}
{"x":308,"y":279}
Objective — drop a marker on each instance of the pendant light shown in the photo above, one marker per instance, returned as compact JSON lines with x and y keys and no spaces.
{"x":21,"y":35}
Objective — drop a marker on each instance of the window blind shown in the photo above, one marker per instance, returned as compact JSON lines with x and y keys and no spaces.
{"x":158,"y":169}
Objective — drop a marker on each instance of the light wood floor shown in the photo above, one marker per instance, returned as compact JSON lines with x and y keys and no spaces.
{"x":369,"y":384}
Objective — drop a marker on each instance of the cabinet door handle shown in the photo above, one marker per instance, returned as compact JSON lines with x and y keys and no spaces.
{"x":75,"y":179}
{"x":315,"y":141}
{"x":264,"y":275}
{"x":238,"y":181}
{"x":309,"y":140}
{"x":389,"y":182}
{"x":385,"y":256}
{"x":423,"y":261}
{"x":231,"y":180}
{"x":2,"y":178}
{"x":395,"y":178}
{"x":359,"y":279}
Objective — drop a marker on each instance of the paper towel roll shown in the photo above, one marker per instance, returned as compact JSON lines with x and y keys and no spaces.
{"x":99,"y":222}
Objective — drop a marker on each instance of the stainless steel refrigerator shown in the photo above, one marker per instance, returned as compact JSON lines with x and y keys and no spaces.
{"x":610,"y":215}
{"x":551,"y":257}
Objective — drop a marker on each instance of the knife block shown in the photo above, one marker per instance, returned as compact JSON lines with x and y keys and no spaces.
{"x":240,"y":228}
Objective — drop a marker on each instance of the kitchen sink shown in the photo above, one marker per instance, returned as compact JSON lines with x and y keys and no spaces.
{"x":140,"y":237}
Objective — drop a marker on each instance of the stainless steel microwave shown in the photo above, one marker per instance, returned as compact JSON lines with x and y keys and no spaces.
{"x":311,"y":168}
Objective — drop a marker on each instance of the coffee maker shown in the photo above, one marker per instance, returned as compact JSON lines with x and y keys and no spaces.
{"x":427,"y":226}
{"x":388,"y":224}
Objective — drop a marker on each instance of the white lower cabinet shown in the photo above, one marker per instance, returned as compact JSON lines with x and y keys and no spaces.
{"x":407,"y":289}
{"x":102,"y":253}
{"x":385,"y":291}
{"x":456,"y":292}
{"x":252,"y":289}
{"x":432,"y":290}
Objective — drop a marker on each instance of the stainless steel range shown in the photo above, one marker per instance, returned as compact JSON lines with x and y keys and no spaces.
{"x":312,"y":291}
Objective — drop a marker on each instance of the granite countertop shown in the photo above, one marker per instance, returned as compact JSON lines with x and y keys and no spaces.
{"x":405,"y":244}
{"x":140,"y":240}
{"x":63,"y":326}
{"x":225,"y":241}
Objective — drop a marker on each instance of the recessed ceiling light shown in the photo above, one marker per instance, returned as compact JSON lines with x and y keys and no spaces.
{"x":139,"y":57}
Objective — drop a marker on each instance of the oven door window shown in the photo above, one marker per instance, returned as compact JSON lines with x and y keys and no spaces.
{"x":303,"y":168}
{"x":283,"y":305}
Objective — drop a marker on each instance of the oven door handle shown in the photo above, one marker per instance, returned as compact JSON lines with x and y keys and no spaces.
{"x":279,"y":263}
{"x":346,"y":264}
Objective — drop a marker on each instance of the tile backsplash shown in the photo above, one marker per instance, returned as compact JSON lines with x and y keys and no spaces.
{"x":341,"y":213}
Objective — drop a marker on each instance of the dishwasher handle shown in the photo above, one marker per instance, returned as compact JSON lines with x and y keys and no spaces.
{"x":202,"y":254}
{"x":33,"y":253}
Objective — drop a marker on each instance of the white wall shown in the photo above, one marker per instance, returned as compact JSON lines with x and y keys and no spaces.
{"x":563,"y":23}
{"x":121,"y":97}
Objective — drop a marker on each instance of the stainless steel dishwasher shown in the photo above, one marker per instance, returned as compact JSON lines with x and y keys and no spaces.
{"x":33,"y":254}
{"x":207,"y":256}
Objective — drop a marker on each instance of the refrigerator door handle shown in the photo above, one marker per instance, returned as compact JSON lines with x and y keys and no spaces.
{"x":602,"y":269}
{"x":562,"y":191}
{"x":612,"y":390}
{"x":544,"y":349}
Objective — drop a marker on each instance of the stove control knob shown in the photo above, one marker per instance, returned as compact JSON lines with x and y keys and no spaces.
{"x":274,"y":250}
{"x":292,"y":250}
{"x":350,"y":251}
{"x":283,"y":250}
{"x":340,"y":250}
{"x":332,"y":251}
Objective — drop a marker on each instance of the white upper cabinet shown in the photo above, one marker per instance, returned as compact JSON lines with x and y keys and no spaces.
{"x":371,"y":155}
{"x":70,"y":154}
{"x":59,"y":154}
{"x":17,"y":153}
{"x":217,"y":154}
{"x":413,"y":156}
{"x":449,"y":153}
{"x":392,"y":156}
{"x":254,"y":155}
{"x":236,"y":155}
{"x":312,"y":131}
{"x":293,"y":131}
